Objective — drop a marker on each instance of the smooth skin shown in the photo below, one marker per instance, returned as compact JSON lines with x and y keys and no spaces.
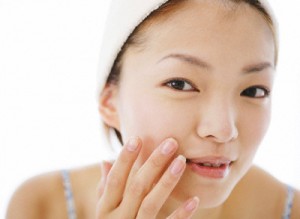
{"x":200,"y":87}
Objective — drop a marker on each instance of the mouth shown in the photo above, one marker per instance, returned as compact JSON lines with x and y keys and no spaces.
{"x":211,"y":167}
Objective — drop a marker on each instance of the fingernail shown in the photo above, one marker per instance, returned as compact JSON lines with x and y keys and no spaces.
{"x":132,"y":144}
{"x":168,"y":146}
{"x":191,"y":204}
{"x":177,"y":165}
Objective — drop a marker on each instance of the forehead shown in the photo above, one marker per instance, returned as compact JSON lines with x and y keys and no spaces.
{"x":205,"y":10}
{"x":212,"y":28}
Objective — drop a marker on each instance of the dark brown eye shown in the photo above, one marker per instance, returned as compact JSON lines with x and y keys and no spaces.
{"x":256,"y":92}
{"x":180,"y":84}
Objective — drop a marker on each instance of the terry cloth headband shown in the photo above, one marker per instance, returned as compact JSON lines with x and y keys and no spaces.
{"x":123,"y":17}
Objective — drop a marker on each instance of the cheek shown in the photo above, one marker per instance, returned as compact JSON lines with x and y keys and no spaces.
{"x":253,"y":128}
{"x":153,"y":120}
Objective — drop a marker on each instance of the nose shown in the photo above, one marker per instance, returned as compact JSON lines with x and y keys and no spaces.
{"x":217,"y":122}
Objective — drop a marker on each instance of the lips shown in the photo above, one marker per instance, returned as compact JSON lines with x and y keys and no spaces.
{"x":211,"y":167}
{"x":210,"y":161}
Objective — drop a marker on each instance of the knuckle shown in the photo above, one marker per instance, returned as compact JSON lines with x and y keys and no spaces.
{"x":168,"y":182}
{"x":113,"y":179}
{"x":149,"y":207}
{"x":137,"y":188}
{"x":156,"y":161}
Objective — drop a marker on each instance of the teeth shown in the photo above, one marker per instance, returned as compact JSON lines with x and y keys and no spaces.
{"x":207,"y":164}
{"x":216,"y":165}
{"x":211,"y":165}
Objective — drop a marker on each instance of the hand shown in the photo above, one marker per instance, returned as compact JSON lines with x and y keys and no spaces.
{"x":128,"y":192}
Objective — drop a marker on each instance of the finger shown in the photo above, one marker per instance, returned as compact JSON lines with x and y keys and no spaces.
{"x":154,"y":201}
{"x":117,"y":177}
{"x":187,"y":210}
{"x":105,"y":168}
{"x":141,"y":183}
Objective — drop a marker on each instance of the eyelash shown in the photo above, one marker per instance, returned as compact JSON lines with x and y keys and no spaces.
{"x":247,"y":92}
{"x":170,"y":83}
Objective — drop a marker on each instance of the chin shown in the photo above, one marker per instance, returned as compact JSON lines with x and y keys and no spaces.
{"x":214,"y":201}
{"x":211,"y":192}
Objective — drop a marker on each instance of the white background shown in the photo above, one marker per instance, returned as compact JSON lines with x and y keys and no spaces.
{"x":49,"y":52}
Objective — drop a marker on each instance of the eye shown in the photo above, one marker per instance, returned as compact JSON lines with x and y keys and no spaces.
{"x":180,"y":84}
{"x":256,"y":92}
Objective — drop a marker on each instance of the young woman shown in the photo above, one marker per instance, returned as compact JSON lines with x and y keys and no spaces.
{"x":186,"y":86}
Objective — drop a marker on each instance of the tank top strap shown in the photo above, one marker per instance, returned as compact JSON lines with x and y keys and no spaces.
{"x":68,"y":194}
{"x":289,"y":202}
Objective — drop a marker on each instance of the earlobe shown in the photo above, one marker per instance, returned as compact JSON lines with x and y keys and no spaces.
{"x":108,"y":106}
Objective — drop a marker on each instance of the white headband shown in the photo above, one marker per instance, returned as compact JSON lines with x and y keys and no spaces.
{"x":123,"y":17}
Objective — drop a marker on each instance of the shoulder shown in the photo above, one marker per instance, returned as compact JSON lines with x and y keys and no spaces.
{"x":267,"y":193}
{"x":34,"y":197}
{"x":276,"y":188}
{"x":43,"y":196}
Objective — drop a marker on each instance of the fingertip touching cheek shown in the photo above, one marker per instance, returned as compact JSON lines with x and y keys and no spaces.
{"x":203,"y":76}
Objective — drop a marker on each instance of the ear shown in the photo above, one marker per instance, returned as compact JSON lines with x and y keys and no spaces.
{"x":108,"y":106}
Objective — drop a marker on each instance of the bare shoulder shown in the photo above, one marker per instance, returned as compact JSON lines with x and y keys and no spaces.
{"x":43,"y":196}
{"x":271,"y":184}
{"x":34,"y":197}
{"x":267,"y":193}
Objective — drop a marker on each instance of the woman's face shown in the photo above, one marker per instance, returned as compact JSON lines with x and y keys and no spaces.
{"x":201,"y":77}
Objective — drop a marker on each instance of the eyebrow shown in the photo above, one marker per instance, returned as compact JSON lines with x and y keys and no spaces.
{"x":189,"y":59}
{"x":257,"y":67}
{"x":253,"y":68}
